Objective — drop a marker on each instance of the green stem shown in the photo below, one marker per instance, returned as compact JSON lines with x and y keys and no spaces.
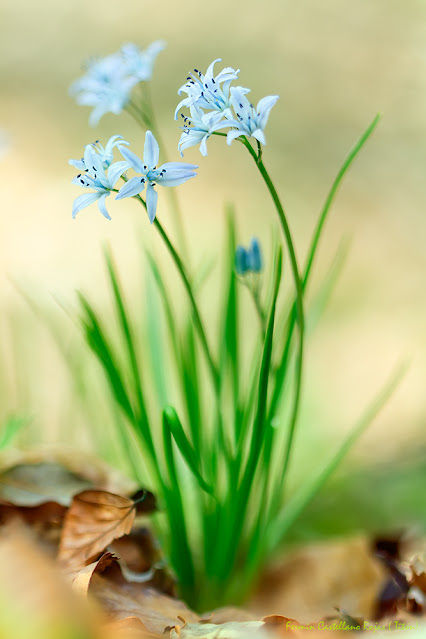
{"x":299,"y":296}
{"x":197,"y":317}
{"x":146,"y":117}
{"x":312,"y":253}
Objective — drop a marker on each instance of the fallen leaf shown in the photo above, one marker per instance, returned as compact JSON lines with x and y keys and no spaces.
{"x":94,"y":519}
{"x":35,"y":601}
{"x":35,"y":484}
{"x":30,"y":478}
{"x":311,"y":582}
{"x":131,"y":627}
{"x":81,"y":581}
{"x":156,"y":611}
{"x":229,"y":630}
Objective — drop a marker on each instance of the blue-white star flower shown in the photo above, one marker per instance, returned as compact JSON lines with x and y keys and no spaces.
{"x":105,"y":154}
{"x":205,"y":91}
{"x":250,"y":121}
{"x":96,"y":177}
{"x":106,"y":87}
{"x":168,"y":174}
{"x":199,"y":127}
{"x":139,"y":64}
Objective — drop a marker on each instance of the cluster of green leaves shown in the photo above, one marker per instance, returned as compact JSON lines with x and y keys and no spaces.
{"x":217,"y":446}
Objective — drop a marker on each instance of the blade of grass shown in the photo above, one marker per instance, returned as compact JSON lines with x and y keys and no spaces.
{"x":98,"y":343}
{"x":238,"y":500}
{"x":173,"y":423}
{"x":10,"y":428}
{"x":296,"y":505}
{"x":281,"y":372}
{"x":181,"y":556}
{"x":154,"y":326}
{"x":168,"y":309}
{"x":133,"y":361}
{"x":229,"y":331}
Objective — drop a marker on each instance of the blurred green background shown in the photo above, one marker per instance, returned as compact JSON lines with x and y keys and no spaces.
{"x":334,"y":63}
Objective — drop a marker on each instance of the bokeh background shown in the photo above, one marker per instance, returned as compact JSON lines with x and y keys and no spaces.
{"x":335,"y":64}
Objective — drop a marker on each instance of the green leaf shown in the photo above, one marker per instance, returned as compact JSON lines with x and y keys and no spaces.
{"x":173,"y":427}
{"x":229,"y":340}
{"x":155,"y":342}
{"x":191,"y":385}
{"x":239,"y":499}
{"x":99,"y":344}
{"x":10,"y":428}
{"x":298,"y":503}
{"x":180,"y":552}
{"x":168,"y":308}
{"x":283,"y":368}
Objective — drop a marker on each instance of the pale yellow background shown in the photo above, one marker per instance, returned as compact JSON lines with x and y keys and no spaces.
{"x":334,"y":63}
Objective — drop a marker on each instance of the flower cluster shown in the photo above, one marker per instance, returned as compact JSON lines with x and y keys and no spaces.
{"x":107,"y":84}
{"x":248,"y":260}
{"x":214,"y":105}
{"x":99,"y":173}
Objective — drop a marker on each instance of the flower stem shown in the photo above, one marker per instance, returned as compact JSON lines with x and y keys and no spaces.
{"x":145,"y":115}
{"x":197,"y":317}
{"x":257,"y":157}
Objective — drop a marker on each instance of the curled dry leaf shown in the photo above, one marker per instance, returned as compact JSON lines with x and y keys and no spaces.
{"x":94,"y":519}
{"x":81,"y":581}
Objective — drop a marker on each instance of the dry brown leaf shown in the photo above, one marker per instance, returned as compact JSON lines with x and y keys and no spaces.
{"x":81,"y":581}
{"x":229,"y":630}
{"x":156,"y":611}
{"x":228,"y":613}
{"x":131,"y":627}
{"x":313,"y":581}
{"x":36,"y":603}
{"x":94,"y":519}
{"x":36,"y":476}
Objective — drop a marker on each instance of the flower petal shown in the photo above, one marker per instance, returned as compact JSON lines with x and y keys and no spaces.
{"x":232,"y":135}
{"x":151,"y":151}
{"x":102,"y":207}
{"x":135,"y":163}
{"x":115,"y":140}
{"x":78,"y":164}
{"x":264,"y":108}
{"x":151,"y":202}
{"x":259,"y":135}
{"x":132,"y":187}
{"x":178,"y":166}
{"x":203,"y":145}
{"x":116,"y":170}
{"x":209,"y":72}
{"x":176,"y":178}
{"x":84,"y":200}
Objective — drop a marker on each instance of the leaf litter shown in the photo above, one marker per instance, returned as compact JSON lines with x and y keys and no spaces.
{"x":85,"y":563}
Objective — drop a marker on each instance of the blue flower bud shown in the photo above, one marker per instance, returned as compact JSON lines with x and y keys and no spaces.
{"x":241,"y":260}
{"x":254,"y":256}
